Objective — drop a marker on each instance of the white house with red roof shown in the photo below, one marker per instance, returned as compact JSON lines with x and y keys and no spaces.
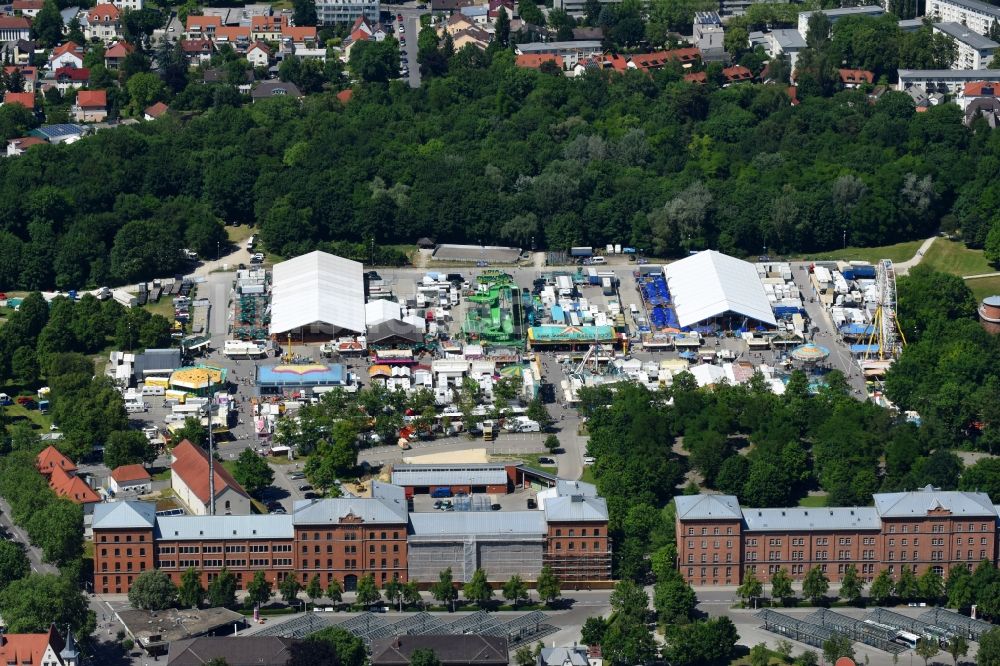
{"x":155,"y":111}
{"x":91,"y":106}
{"x":71,"y":77}
{"x":197,"y":50}
{"x":130,"y":478}
{"x":202,"y":27}
{"x":189,"y":479}
{"x":13,"y":28}
{"x":48,"y":649}
{"x":17,"y":147}
{"x":116,"y":53}
{"x":25,"y":99}
{"x":29,"y":8}
{"x":103,"y":22}
{"x":69,"y":54}
{"x":259,"y":55}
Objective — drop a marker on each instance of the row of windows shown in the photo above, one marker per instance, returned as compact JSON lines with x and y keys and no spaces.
{"x":583,"y":545}
{"x":117,"y":537}
{"x":583,"y":532}
{"x":350,"y":549}
{"x":715,"y":557}
{"x":128,"y":552}
{"x":349,"y":536}
{"x":704,"y":531}
{"x":704,"y":544}
{"x":128,"y":566}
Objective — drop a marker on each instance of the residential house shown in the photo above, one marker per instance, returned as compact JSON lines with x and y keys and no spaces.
{"x":189,"y":480}
{"x":269,"y":89}
{"x":14,"y":28}
{"x":456,"y":22}
{"x":29,"y":76}
{"x":687,"y":57}
{"x":836,"y":14}
{"x":71,"y":77}
{"x":73,"y":488}
{"x":48,"y":649}
{"x":331,"y":12}
{"x":130,"y":478}
{"x":103,"y":22}
{"x":736,"y":74}
{"x":709,"y":35}
{"x":449,"y":5}
{"x":943,"y":81}
{"x":29,"y":8}
{"x":197,"y":51}
{"x":267,"y":28}
{"x":259,"y":55}
{"x":571,"y":52}
{"x":155,"y":111}
{"x":25,"y":99}
{"x":536,"y":60}
{"x":130,"y":5}
{"x":237,"y":36}
{"x":855,"y":78}
{"x":980,"y":98}
{"x":202,"y":27}
{"x":19,"y":52}
{"x":91,"y":106}
{"x":235,"y":651}
{"x":576,"y":655}
{"x":494,"y":8}
{"x":973,"y":51}
{"x":50,"y":458}
{"x":114,"y":56}
{"x":451,"y":650}
{"x":977,"y":16}
{"x":298,"y":35}
{"x":475,"y":36}
{"x":344,"y":96}
{"x":785,"y":42}
{"x":372,"y":29}
{"x":69,"y":54}
{"x":17,"y":147}
{"x":478,"y":14}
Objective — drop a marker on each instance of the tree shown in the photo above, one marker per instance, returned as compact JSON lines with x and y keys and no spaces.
{"x":14,"y":564}
{"x":525,"y":656}
{"x":957,"y":647}
{"x":222,"y":589}
{"x":674,"y":601}
{"x":350,"y":650}
{"x":530,"y":13}
{"x":537,"y":412}
{"x":47,"y":25}
{"x":152,"y":590}
{"x":478,"y":590}
{"x":192,"y":431}
{"x":515,"y":590}
{"x":424,"y":657}
{"x":290,"y":588}
{"x":881,"y":588}
{"x":367,"y":592}
{"x":593,"y":630}
{"x":815,"y":584}
{"x":314,"y":590}
{"x":444,"y":589}
{"x":304,"y":12}
{"x":927,"y":649}
{"x":128,"y":447}
{"x":551,"y":444}
{"x":502,"y":28}
{"x":837,"y":646}
{"x":259,"y":589}
{"x":375,"y":62}
{"x":548,"y":585}
{"x":191,"y":593}
{"x":252,"y":471}
{"x":334,"y":592}
{"x":394,"y":592}
{"x":959,"y":588}
{"x":989,"y":648}
{"x":931,"y":586}
{"x":851,"y":585}
{"x":751,"y":587}
{"x":906,"y":587}
{"x":781,"y":585}
{"x":33,"y":603}
{"x":411,"y":594}
{"x":760,"y":655}
{"x":24,"y":365}
{"x":310,"y":651}
{"x":702,"y":642}
{"x":144,"y":88}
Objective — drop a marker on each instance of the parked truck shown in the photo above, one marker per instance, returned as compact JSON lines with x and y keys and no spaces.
{"x":244,"y":349}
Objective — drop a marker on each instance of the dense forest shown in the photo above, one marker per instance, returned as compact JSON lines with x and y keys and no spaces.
{"x":489,"y":152}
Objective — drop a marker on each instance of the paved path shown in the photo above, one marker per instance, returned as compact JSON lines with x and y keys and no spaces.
{"x":903,"y":267}
{"x":981,"y":275}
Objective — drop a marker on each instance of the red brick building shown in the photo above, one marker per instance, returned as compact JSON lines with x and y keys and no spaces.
{"x":926,"y":529}
{"x":577,"y":547}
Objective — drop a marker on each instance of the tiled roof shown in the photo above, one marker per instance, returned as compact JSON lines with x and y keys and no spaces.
{"x":856,"y":76}
{"x":979,"y":88}
{"x":232,"y":33}
{"x":119,"y":50}
{"x":196,"y":45}
{"x":127,"y":473}
{"x":14,"y":23}
{"x":535,"y":60}
{"x":25,"y":99}
{"x":21,"y":5}
{"x":156,"y":110}
{"x":236,"y":651}
{"x":201,"y":23}
{"x":99,"y":12}
{"x":68,"y":47}
{"x":26,"y":142}
{"x":28,"y":649}
{"x":737,"y":73}
{"x":72,"y":487}
{"x":298,"y":33}
{"x":88,"y":99}
{"x":50,"y":457}
{"x":191,"y":465}
{"x":73,"y":73}
{"x":696,"y":77}
{"x":344,"y":96}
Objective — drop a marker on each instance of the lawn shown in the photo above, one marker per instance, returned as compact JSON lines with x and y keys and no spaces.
{"x":239,"y":234}
{"x":896,"y":253}
{"x":813,"y":501}
{"x":983,"y":287}
{"x":532,"y":460}
{"x":953,"y":257}
{"x":165,"y":307}
{"x":588,"y":475}
{"x":16,"y":414}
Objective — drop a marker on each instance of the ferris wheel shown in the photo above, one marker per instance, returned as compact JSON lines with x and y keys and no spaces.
{"x":886,"y":339}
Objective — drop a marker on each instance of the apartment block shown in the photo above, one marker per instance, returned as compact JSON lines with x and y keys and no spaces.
{"x":973,"y":50}
{"x":927,"y":529}
{"x":973,"y":14}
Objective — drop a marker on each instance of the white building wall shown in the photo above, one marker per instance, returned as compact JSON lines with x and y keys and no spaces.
{"x":977,"y":18}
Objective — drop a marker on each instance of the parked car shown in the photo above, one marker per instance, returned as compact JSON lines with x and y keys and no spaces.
{"x":305,"y":487}
{"x":588,"y":460}
{"x":295,"y":476}
{"x":437,"y":504}
{"x":494,"y":507}
{"x":532,"y":504}
{"x":402,"y":28}
{"x":546,"y":461}
{"x":311,"y":496}
{"x":399,"y":17}
{"x":441,"y":492}
{"x":27,"y":402}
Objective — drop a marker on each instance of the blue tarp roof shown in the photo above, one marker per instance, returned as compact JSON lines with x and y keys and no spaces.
{"x":302,"y":375}
{"x":863,"y":349}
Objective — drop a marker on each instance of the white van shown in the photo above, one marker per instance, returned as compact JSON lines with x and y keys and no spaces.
{"x":152,"y":389}
{"x":135,"y":407}
{"x":251,"y":241}
{"x":598,"y":261}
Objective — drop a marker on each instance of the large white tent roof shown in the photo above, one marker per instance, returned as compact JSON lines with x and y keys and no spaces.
{"x":709,"y":284}
{"x":318,"y":288}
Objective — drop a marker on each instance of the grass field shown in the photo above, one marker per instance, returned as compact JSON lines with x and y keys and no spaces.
{"x":239,"y":234}
{"x":984,"y":287}
{"x":17,"y":414}
{"x":532,"y":459}
{"x":165,"y":307}
{"x":588,"y":475}
{"x":813,"y":501}
{"x":953,"y":257}
{"x":896,"y":253}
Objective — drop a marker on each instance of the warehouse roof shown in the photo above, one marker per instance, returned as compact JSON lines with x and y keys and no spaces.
{"x":267,"y":526}
{"x":478,"y":524}
{"x":694,"y":507}
{"x":449,"y":475}
{"x":930,"y":499}
{"x":124,"y":515}
{"x":318,"y":288}
{"x":806,"y":519}
{"x":710,"y":284}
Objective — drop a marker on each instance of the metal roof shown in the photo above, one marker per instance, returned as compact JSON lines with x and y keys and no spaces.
{"x":953,"y":74}
{"x":480,"y":524}
{"x":318,"y":287}
{"x":811,"y":518}
{"x":565,"y":488}
{"x":788,"y":38}
{"x":331,"y":511}
{"x":709,"y":284}
{"x":446,"y":477}
{"x":864,"y":10}
{"x":975,"y":5}
{"x":928,"y":498}
{"x":707,"y":507}
{"x":58,"y":130}
{"x":124,"y":515}
{"x":576,"y":509}
{"x":551,"y":47}
{"x":268,"y":526}
{"x":965,"y":35}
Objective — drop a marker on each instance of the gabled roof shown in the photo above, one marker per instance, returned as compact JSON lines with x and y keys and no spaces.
{"x":737,"y":73}
{"x":25,"y":99}
{"x":709,"y":284}
{"x":394,"y":328}
{"x":198,"y":528}
{"x":28,"y":649}
{"x":449,"y":649}
{"x":318,"y":287}
{"x":576,"y":508}
{"x":126,"y":473}
{"x":129,"y":514}
{"x":344,"y":96}
{"x":535,"y":60}
{"x":261,"y":46}
{"x":92,"y":99}
{"x":299,"y":33}
{"x":197,"y":23}
{"x":807,"y":519}
{"x":72,"y":73}
{"x":696,"y":77}
{"x":196,"y":45}
{"x":237,"y":651}
{"x":72,"y":487}
{"x":982,"y":88}
{"x":266,"y":89}
{"x":332,"y":511}
{"x":261,"y":22}
{"x":14,"y":23}
{"x":482,"y":525}
{"x":69,"y":47}
{"x":708,"y":507}
{"x":232,"y":33}
{"x":25,"y":142}
{"x":27,"y":4}
{"x":119,"y":50}
{"x":156,"y":110}
{"x":50,"y":458}
{"x":191,"y":465}
{"x":99,"y":12}
{"x":930,"y":499}
{"x":856,"y":76}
